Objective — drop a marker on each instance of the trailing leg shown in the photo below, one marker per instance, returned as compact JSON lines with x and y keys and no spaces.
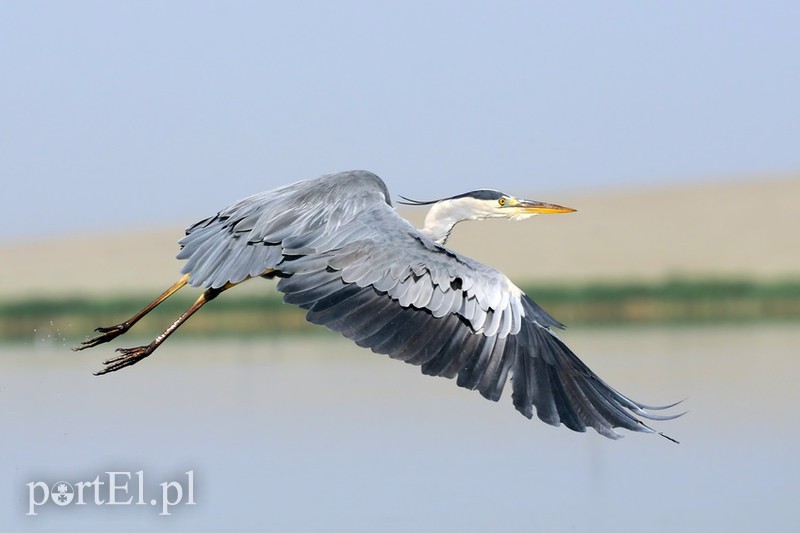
{"x":112,"y":332}
{"x":131,"y":356}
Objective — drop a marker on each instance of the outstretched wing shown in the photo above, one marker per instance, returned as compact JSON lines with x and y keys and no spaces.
{"x":360,"y":269}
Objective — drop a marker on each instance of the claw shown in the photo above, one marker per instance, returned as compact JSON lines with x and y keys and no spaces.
{"x":101,"y":329}
{"x":109,"y":333}
{"x":127,"y":357}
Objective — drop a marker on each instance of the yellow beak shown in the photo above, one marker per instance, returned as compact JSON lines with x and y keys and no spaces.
{"x":541,"y":208}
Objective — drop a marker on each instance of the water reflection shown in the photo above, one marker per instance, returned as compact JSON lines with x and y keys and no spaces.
{"x":316,"y":434}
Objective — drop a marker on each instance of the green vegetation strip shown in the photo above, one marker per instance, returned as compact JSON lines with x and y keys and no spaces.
{"x":678,"y":301}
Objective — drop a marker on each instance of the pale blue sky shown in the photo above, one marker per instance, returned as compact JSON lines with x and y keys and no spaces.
{"x":125,"y":114}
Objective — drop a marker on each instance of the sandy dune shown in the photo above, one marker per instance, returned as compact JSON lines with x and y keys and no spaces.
{"x":730,"y":229}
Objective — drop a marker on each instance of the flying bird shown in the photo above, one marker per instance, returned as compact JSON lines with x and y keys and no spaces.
{"x":340,"y":251}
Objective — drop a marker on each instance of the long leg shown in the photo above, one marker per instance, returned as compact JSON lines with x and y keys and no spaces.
{"x":131,"y":356}
{"x":113,"y":332}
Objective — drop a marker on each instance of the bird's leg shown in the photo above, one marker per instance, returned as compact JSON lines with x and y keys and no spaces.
{"x":112,"y":332}
{"x":131,"y":356}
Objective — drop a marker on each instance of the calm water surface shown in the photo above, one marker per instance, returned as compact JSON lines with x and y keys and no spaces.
{"x":318,"y":435}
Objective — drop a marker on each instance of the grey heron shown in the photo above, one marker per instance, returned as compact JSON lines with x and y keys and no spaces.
{"x":340,"y":251}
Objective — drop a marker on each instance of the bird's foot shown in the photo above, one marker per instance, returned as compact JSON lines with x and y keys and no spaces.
{"x":107,"y":334}
{"x":126,"y":357}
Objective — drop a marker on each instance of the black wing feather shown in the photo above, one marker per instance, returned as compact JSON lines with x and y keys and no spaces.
{"x":545,"y":374}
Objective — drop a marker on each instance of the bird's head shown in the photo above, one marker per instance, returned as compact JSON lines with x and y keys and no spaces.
{"x":478,"y":205}
{"x":488,"y":203}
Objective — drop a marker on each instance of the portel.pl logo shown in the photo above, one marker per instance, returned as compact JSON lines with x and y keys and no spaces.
{"x":111,"y":488}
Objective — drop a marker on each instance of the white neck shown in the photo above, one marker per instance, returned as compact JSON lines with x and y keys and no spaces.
{"x":443,"y":216}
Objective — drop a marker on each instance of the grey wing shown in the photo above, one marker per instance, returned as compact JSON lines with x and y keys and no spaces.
{"x":368,"y":274}
{"x":423,"y":304}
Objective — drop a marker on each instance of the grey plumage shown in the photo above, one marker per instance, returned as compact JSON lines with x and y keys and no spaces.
{"x":343,"y":254}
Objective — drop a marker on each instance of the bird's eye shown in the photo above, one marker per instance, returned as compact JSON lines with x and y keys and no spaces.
{"x":502,"y":202}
